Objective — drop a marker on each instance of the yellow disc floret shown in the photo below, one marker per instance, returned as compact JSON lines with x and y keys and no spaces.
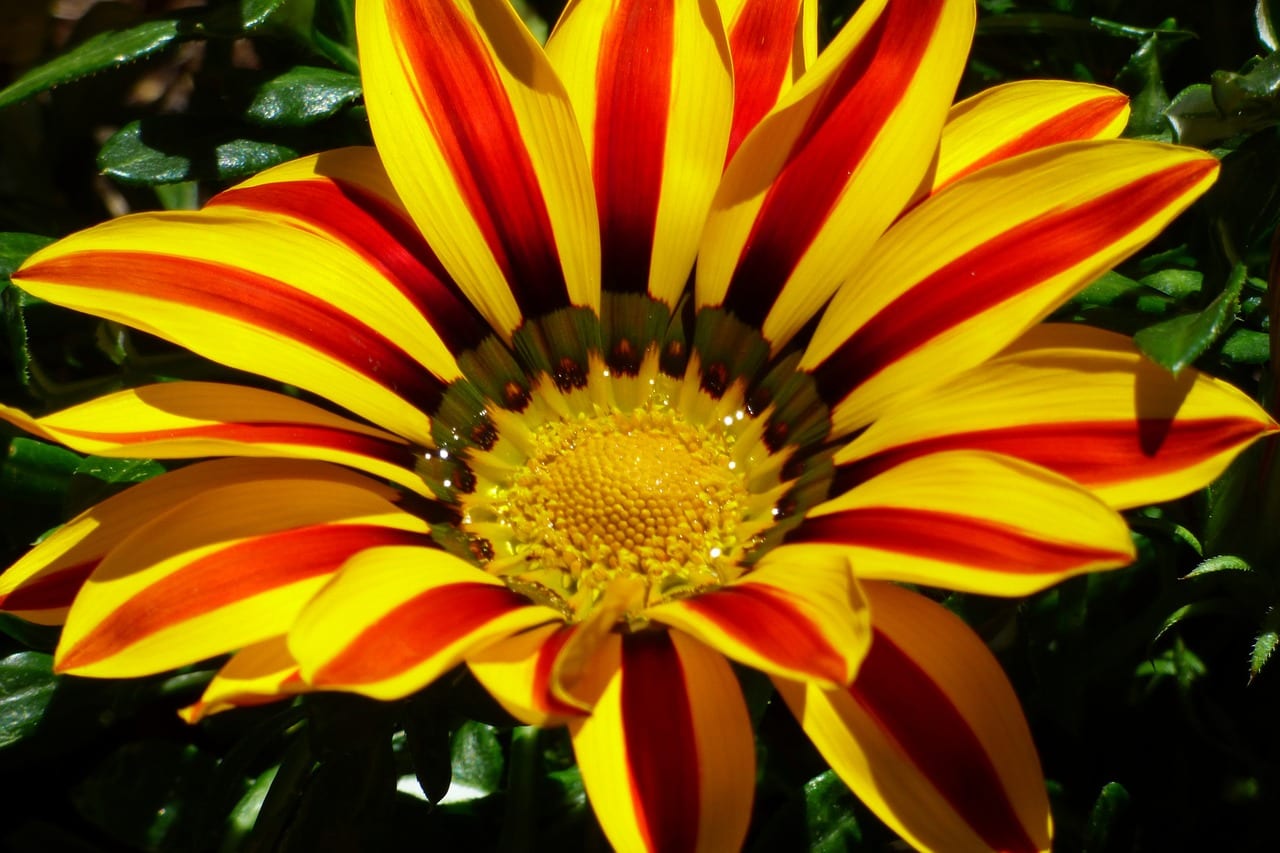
{"x":641,"y":497}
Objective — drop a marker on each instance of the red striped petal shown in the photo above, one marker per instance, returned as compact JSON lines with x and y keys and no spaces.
{"x":930,"y":735}
{"x":225,"y":577}
{"x":792,"y":217}
{"x":801,"y":619}
{"x":667,"y":755}
{"x":42,"y":585}
{"x":420,"y":628}
{"x":396,"y":618}
{"x":183,"y":420}
{"x":995,"y":272}
{"x":1023,"y":116}
{"x":1081,"y":402}
{"x":256,"y":300}
{"x":763,"y":60}
{"x":346,"y":196}
{"x":479,"y":138}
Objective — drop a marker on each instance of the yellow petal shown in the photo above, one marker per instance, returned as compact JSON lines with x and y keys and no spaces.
{"x":833,"y":164}
{"x":1004,"y":121}
{"x":971,"y":268}
{"x":969,"y":521}
{"x":480,"y":141}
{"x":668,"y":756}
{"x":185,"y":420}
{"x":801,"y":619}
{"x":395,"y":619}
{"x":224,"y":569}
{"x":930,"y":736}
{"x":652,"y":88}
{"x":41,"y":586}
{"x":1079,"y":401}
{"x":254,"y":292}
{"x":263,"y":672}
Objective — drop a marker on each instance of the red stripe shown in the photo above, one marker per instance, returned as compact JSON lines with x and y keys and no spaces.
{"x":761,"y":60}
{"x":1093,"y":453}
{"x":834,"y":142}
{"x":231,"y":575}
{"x":925,"y":724}
{"x":774,"y":626}
{"x":53,"y":591}
{"x":461,"y":95}
{"x":247,"y":297}
{"x":422,"y":627}
{"x":542,"y":669}
{"x":951,"y":538}
{"x":633,"y":85}
{"x":997,"y":271}
{"x":381,"y":235}
{"x":1083,"y":121}
{"x":306,"y":435}
{"x":661,"y":746}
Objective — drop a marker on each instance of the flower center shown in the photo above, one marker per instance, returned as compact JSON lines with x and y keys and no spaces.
{"x":643,"y":497}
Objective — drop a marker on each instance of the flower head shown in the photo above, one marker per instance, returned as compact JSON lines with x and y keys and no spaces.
{"x":672,"y":345}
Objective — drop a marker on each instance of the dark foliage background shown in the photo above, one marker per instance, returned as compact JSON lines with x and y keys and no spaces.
{"x":1147,"y":689}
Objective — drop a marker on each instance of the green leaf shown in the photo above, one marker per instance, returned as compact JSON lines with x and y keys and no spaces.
{"x":1214,"y":606}
{"x":1264,"y":645}
{"x":1246,"y":346}
{"x":1221,"y":563}
{"x":1108,"y":813}
{"x":117,"y":48}
{"x":478,"y":761}
{"x":303,"y":95}
{"x":98,"y":478}
{"x":103,"y":51}
{"x":35,"y":471}
{"x":16,"y":247}
{"x":169,"y":149}
{"x":144,"y":793}
{"x":1141,"y":78}
{"x":1179,"y":284}
{"x":27,"y":685}
{"x":428,"y":741}
{"x":1176,"y":343}
{"x":242,"y":818}
{"x":829,"y":815}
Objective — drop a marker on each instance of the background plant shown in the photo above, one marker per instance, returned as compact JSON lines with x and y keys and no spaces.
{"x":1148,"y":690}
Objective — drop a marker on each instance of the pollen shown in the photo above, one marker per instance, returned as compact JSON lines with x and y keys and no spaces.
{"x":624,"y":497}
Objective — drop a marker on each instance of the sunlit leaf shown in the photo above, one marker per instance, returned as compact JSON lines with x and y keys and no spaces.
{"x":1264,"y":645}
{"x":168,"y":149}
{"x":27,"y":684}
{"x":303,"y":95}
{"x":1178,"y":342}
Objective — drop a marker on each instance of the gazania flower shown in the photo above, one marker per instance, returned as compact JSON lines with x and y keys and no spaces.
{"x":671,"y":345}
